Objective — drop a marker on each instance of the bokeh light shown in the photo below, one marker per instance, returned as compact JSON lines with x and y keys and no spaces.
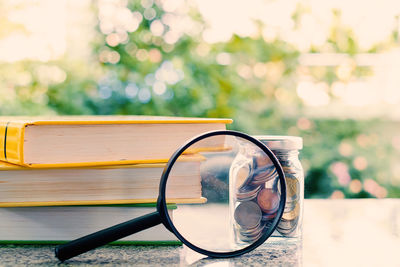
{"x":355,"y":186}
{"x":341,"y":171}
{"x":324,"y":70}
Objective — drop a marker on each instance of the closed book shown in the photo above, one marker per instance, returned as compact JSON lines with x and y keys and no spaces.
{"x":116,"y":184}
{"x":54,"y":225}
{"x":64,"y":141}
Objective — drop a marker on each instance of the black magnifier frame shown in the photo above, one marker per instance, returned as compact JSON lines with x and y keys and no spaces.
{"x":113,"y":233}
{"x":162,"y":204}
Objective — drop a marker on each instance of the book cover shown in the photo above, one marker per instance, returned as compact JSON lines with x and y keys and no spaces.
{"x":97,"y":140}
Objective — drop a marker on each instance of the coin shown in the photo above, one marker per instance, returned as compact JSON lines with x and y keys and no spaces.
{"x":247,"y":193}
{"x":291,"y":175}
{"x":287,"y":224}
{"x":242,"y":176}
{"x":268,"y":200}
{"x":287,"y":228}
{"x":289,"y":232}
{"x":292,"y":189}
{"x":262,"y":160}
{"x":250,"y":238}
{"x":291,"y":170}
{"x":252,"y":232}
{"x":289,"y":206}
{"x":268,"y":216}
{"x":264,"y":175}
{"x":248,"y":215}
{"x":247,"y":232}
{"x":293,"y":214}
{"x":260,"y":173}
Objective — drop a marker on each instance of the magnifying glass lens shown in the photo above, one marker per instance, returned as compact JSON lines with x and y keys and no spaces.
{"x":227,"y":192}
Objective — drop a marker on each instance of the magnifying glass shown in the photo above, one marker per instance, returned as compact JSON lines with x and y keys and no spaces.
{"x":229,"y":191}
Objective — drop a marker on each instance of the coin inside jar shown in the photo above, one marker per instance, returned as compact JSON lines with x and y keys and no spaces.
{"x":292,"y":188}
{"x":263,"y":175}
{"x":242,"y":176}
{"x":286,"y":149}
{"x":248,"y":215}
{"x":268,"y":200}
{"x":268,"y":216}
{"x":245,"y":238}
{"x":293,"y":214}
{"x":289,"y":206}
{"x":287,"y":228}
{"x":247,"y":193}
{"x":262,"y":160}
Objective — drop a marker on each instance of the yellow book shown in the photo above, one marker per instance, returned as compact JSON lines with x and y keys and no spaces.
{"x":99,"y":185}
{"x":64,"y":141}
{"x":55,"y":225}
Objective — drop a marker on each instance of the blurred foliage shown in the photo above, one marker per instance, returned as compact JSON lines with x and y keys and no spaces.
{"x":153,"y":70}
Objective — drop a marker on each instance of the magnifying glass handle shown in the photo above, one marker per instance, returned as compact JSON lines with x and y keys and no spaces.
{"x":105,"y":236}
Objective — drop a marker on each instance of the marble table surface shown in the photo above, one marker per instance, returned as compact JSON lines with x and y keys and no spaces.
{"x":357,"y":232}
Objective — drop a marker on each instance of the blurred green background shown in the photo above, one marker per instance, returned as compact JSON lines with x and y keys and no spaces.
{"x":327,"y":72}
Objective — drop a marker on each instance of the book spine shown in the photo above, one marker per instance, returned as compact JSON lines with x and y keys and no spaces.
{"x":11,"y":142}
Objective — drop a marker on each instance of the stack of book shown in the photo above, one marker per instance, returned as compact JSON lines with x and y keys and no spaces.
{"x":64,"y":177}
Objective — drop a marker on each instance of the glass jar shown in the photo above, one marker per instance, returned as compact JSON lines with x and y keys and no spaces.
{"x":286,"y":149}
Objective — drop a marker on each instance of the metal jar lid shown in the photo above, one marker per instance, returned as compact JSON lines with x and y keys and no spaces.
{"x":275,"y":142}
